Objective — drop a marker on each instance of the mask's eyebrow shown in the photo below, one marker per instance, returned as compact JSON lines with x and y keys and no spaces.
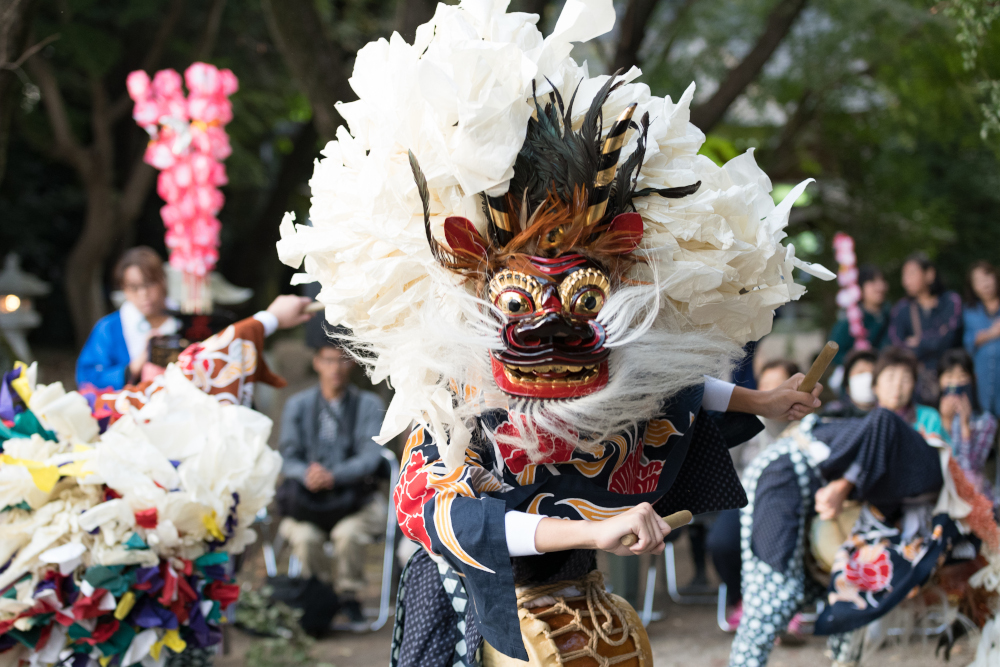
{"x":522,"y":264}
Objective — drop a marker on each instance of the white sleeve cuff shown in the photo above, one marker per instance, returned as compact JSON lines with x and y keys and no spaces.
{"x":717,"y":394}
{"x":521,"y":528}
{"x":853,"y":473}
{"x":269,"y":320}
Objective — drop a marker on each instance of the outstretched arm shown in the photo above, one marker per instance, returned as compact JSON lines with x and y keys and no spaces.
{"x":785,"y":403}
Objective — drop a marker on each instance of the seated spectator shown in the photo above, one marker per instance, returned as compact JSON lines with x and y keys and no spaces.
{"x":972,"y":429}
{"x":117,"y":347}
{"x":857,"y":392}
{"x":330,"y":463}
{"x":927,"y":322}
{"x":875,"y":311}
{"x":982,"y":333}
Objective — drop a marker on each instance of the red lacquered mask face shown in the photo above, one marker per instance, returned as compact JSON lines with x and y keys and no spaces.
{"x":553,"y":343}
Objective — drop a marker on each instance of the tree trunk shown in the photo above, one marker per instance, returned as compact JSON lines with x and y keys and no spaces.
{"x":631,"y":33}
{"x":15,"y":18}
{"x":318,"y":65}
{"x":253,"y":260}
{"x":85,"y":265}
{"x":706,"y":116}
{"x":410,"y":14}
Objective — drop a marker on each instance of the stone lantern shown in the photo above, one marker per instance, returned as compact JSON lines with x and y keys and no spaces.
{"x":17,"y":313}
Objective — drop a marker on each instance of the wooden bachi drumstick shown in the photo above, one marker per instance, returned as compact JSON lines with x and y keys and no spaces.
{"x":675,"y":521}
{"x":819,"y":367}
{"x":314,"y":307}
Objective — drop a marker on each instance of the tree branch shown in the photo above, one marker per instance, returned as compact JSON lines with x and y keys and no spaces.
{"x":140,"y":179}
{"x":15,"y":19}
{"x":631,"y":33}
{"x":66,"y":146}
{"x":207,"y":43}
{"x":410,"y":14}
{"x":779,"y":22}
{"x":252,"y":260}
{"x":782,"y":158}
{"x":316,"y":64}
{"x":123,"y":104}
{"x":103,"y":147}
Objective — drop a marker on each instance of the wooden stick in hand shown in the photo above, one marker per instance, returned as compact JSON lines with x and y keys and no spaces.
{"x":314,"y":307}
{"x":819,"y":367}
{"x":675,"y":521}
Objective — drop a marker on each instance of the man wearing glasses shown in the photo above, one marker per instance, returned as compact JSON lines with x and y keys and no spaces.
{"x":330,"y":463}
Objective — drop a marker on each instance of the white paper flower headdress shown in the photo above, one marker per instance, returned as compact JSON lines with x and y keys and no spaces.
{"x":460,"y":99}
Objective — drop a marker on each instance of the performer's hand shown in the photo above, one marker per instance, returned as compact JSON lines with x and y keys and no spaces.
{"x":830,"y":499}
{"x":289,"y":308}
{"x":642,"y":521}
{"x":787,"y":402}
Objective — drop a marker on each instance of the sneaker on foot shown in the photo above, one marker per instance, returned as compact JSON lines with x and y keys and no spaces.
{"x":793,"y":636}
{"x":735,"y":614}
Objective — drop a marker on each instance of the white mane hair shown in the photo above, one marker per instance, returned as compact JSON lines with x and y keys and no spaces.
{"x":713,"y":269}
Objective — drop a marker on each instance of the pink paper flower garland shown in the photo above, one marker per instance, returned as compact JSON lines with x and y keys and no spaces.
{"x":849,"y":295}
{"x":187,"y":144}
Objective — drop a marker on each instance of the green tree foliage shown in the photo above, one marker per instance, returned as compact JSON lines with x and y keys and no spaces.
{"x":44,"y":204}
{"x":881,"y":101}
{"x":874,"y":101}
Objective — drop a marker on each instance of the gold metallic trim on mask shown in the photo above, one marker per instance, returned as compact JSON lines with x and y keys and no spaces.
{"x":509,"y":279}
{"x":579,"y":281}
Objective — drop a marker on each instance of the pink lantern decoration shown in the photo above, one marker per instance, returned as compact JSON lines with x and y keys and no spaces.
{"x":187,"y":144}
{"x":849,"y":295}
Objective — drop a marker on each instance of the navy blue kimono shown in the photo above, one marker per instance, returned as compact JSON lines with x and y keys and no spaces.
{"x":677,"y":461}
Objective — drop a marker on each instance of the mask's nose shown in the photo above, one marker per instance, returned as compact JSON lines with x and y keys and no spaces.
{"x":553,"y":327}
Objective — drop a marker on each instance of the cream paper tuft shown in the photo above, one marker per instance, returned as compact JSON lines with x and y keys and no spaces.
{"x":459,"y":98}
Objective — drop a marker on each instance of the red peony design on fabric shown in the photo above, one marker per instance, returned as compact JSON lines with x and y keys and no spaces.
{"x":553,"y":450}
{"x":412,"y":491}
{"x":869,"y":569}
{"x":637,"y":474}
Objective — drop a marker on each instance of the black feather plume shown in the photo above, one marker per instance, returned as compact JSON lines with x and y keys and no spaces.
{"x":425,"y":200}
{"x":669,"y":193}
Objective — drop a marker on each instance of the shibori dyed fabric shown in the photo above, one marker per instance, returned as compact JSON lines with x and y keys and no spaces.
{"x":878,"y":568}
{"x":115,"y":545}
{"x":918,"y":510}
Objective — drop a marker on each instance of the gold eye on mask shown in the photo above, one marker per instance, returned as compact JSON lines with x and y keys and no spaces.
{"x":584,"y":292}
{"x":514,"y":293}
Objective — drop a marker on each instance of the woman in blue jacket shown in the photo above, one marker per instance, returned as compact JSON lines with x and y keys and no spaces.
{"x":982,"y":333}
{"x":117,"y":348}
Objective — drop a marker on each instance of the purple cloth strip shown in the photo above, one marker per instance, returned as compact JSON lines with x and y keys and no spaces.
{"x":7,"y":407}
{"x":148,"y":614}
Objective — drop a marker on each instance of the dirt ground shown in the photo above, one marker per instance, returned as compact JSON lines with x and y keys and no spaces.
{"x":685,"y":635}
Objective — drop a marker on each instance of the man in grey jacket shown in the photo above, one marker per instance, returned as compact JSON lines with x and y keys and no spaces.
{"x":330,"y":461}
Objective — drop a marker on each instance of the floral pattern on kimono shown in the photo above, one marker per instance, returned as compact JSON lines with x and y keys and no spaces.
{"x":458,"y":515}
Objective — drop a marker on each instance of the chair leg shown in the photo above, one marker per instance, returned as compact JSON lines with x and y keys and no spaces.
{"x":672,"y":590}
{"x":647,"y":603}
{"x":270,"y":562}
{"x":720,"y":608}
{"x":389,"y":551}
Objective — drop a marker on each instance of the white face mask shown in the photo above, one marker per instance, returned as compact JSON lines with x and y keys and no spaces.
{"x":859,"y":388}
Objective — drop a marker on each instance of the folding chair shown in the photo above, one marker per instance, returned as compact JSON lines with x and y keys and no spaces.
{"x":274,"y":547}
